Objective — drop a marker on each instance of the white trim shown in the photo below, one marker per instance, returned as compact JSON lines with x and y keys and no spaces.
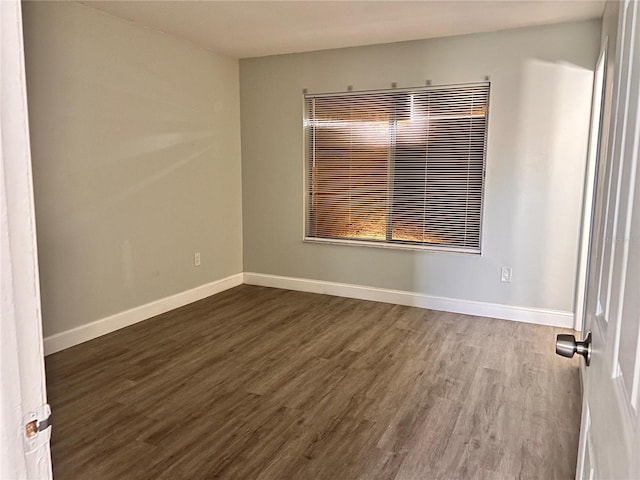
{"x":588,"y":211}
{"x":540,"y":316}
{"x":391,"y":245}
{"x":81,"y":334}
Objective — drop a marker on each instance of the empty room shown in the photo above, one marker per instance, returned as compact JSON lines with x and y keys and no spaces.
{"x":320,"y":239}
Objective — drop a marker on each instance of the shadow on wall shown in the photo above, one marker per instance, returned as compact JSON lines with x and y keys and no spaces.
{"x":138,"y":142}
{"x":547,"y":177}
{"x":132,"y":143}
{"x":136,"y":162}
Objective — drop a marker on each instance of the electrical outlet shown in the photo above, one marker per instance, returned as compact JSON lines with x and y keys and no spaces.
{"x":196,"y":259}
{"x":505,"y":275}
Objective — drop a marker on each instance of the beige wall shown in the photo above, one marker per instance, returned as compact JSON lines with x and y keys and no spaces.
{"x":538,"y":126}
{"x":136,"y":158}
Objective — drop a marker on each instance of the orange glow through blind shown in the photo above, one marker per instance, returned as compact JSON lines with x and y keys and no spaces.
{"x":403,"y":167}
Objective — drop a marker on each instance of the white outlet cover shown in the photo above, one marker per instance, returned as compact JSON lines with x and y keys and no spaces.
{"x":505,"y":276}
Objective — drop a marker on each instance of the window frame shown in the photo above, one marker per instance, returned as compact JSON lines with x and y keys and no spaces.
{"x":385,"y":244}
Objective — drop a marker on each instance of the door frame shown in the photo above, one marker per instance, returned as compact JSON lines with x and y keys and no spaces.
{"x":23,"y":392}
{"x":594,"y":158}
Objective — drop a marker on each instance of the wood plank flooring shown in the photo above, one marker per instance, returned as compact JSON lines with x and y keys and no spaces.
{"x":262,"y":383}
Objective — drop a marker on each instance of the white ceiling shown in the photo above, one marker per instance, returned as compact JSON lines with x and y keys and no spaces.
{"x":257,"y":28}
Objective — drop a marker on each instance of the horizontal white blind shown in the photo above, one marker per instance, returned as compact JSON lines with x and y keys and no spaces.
{"x":397,"y":166}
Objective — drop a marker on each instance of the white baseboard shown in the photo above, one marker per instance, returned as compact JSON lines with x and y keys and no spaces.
{"x":538,"y":316}
{"x":81,"y":334}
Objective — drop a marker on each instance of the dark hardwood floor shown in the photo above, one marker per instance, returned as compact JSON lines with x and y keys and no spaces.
{"x":261,"y":383}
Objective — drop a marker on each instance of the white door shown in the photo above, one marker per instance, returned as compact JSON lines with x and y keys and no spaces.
{"x":610,"y":430}
{"x":22,"y":394}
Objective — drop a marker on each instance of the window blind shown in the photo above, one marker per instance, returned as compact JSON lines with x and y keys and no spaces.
{"x":397,"y":167}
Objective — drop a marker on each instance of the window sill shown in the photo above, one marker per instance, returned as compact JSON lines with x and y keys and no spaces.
{"x":392,"y":246}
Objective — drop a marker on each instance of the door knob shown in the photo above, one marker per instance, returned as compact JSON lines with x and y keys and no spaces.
{"x":567,"y":346}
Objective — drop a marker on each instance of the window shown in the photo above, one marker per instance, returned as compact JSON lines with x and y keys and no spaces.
{"x":397,"y":167}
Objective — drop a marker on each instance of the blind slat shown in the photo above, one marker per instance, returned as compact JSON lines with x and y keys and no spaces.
{"x":397,"y":166}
